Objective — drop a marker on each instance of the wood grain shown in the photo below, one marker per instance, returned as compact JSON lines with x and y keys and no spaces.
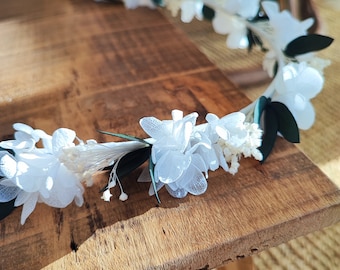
{"x":89,"y":66}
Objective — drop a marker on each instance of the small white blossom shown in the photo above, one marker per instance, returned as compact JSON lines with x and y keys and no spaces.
{"x":106,"y":195}
{"x":299,"y":83}
{"x":245,"y":8}
{"x":191,"y":9}
{"x":235,"y":28}
{"x":226,"y":23}
{"x":177,"y":163}
{"x":232,"y":137}
{"x":286,"y":27}
{"x":36,"y":173}
{"x":132,"y":4}
{"x":174,"y":6}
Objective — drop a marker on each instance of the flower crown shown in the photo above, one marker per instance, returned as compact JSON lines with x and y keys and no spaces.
{"x":179,"y":152}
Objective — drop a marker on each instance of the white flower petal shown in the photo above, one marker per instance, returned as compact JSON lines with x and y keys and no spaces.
{"x":8,"y":193}
{"x":222,"y":132}
{"x":197,"y":183}
{"x":306,"y":24}
{"x":78,"y":198}
{"x":23,"y":127}
{"x":305,"y":119}
{"x":8,"y":165}
{"x":177,"y":115}
{"x":154,"y":127}
{"x":27,"y":145}
{"x":178,"y":193}
{"x":221,"y":158}
{"x":171,"y":166}
{"x":248,"y":8}
{"x":271,"y":8}
{"x":210,"y":117}
{"x":234,"y":119}
{"x":106,"y":195}
{"x":29,"y":206}
{"x":159,"y":185}
{"x":220,"y":23}
{"x":144,"y":177}
{"x":187,"y":11}
{"x":310,"y":82}
{"x":22,"y":198}
{"x":62,"y":137}
{"x":237,"y":40}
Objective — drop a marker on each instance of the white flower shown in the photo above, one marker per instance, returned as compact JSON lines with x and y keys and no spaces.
{"x":37,"y":172}
{"x":232,"y":137}
{"x":106,"y":195}
{"x":177,"y":164}
{"x":173,"y":5}
{"x":245,"y":8}
{"x":299,"y":83}
{"x":286,"y":27}
{"x":132,"y":4}
{"x":269,"y":63}
{"x":225,"y":23}
{"x":191,"y":9}
{"x":235,"y":28}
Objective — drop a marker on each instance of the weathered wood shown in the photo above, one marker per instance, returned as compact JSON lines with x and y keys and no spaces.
{"x":91,"y":66}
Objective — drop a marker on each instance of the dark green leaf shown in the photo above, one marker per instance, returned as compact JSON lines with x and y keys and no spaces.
{"x":259,"y":107}
{"x":152,"y":175}
{"x":287,"y":125}
{"x":158,"y":2}
{"x":124,"y":136}
{"x":306,"y":44}
{"x":8,"y":150}
{"x":130,"y":162}
{"x":208,"y":13}
{"x":270,"y":132}
{"x":6,"y":208}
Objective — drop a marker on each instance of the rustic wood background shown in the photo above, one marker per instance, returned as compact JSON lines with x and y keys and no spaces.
{"x":89,"y":66}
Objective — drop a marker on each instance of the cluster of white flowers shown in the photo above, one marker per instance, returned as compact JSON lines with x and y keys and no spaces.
{"x":183,"y":153}
{"x":233,"y":18}
{"x":34,"y":174}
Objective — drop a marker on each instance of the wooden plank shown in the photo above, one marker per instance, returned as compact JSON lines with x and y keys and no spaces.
{"x":87,"y":66}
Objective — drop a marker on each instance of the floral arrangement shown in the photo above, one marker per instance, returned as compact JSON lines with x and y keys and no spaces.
{"x":179,"y":152}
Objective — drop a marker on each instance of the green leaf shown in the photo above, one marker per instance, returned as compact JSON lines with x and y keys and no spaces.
{"x":259,"y":107}
{"x":306,"y":44}
{"x":270,"y":132}
{"x":131,"y":161}
{"x":152,"y":175}
{"x":287,"y":125}
{"x":6,"y":208}
{"x":158,"y":2}
{"x":124,"y":136}
{"x":208,"y":13}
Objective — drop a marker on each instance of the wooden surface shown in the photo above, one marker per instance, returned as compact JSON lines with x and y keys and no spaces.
{"x":89,"y":66}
